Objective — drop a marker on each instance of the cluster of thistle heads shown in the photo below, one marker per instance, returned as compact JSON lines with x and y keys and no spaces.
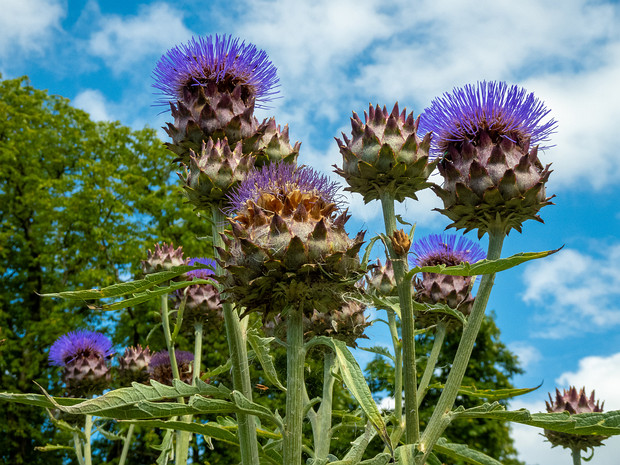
{"x":86,"y":361}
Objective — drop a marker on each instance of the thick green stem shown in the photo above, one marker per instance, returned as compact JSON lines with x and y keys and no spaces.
{"x":88,"y":427}
{"x":323,"y":437}
{"x":165,"y":321}
{"x":295,"y":355}
{"x":412,"y":424}
{"x":398,"y":367}
{"x":77,"y":444}
{"x":126,"y":444}
{"x":441,"y":418}
{"x":239,"y":357}
{"x":440,"y":335}
{"x":576,"y":453}
{"x":197,"y":351}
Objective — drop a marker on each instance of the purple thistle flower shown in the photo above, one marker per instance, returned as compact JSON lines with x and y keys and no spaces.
{"x":202,"y":273}
{"x":502,"y":111}
{"x":162,"y":358}
{"x":280,"y":179}
{"x":222,"y":60}
{"x":79,"y":344}
{"x":437,"y":249}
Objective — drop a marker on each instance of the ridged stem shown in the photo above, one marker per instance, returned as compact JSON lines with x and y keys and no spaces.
{"x":576,"y":454}
{"x":295,"y":355}
{"x":441,"y":418}
{"x":126,"y":444}
{"x":77,"y":444}
{"x":412,"y":424}
{"x":197,"y":351}
{"x":398,"y":367}
{"x":440,"y":335}
{"x":239,"y":357}
{"x":88,"y":427}
{"x":324,"y":424}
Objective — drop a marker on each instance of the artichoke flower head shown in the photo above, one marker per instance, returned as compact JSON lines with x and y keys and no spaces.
{"x":487,"y":138}
{"x":288,"y":244}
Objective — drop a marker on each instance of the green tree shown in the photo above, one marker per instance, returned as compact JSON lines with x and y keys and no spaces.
{"x":80,"y":202}
{"x":491,"y":366}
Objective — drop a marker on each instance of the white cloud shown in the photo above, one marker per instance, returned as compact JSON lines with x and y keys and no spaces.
{"x":599,"y":373}
{"x":124,"y":41}
{"x":577,"y":292}
{"x":527,"y":354}
{"x":27,"y":26}
{"x":93,"y":102}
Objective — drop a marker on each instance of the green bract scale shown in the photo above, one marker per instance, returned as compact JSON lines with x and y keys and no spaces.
{"x":133,"y":365}
{"x":573,"y":402}
{"x":214,"y":172}
{"x":163,"y":258}
{"x":288,"y":244}
{"x":486,"y":138}
{"x":385,"y":154}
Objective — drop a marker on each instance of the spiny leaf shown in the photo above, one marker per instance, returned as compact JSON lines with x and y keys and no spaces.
{"x":379,"y":350}
{"x":38,"y":400}
{"x":602,"y":423}
{"x":131,"y":287}
{"x":261,"y":348}
{"x":462,"y":452}
{"x":481,"y":267}
{"x":489,"y":394}
{"x":439,"y":308}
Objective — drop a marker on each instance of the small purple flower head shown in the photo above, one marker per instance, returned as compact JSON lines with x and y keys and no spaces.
{"x":202,"y":273}
{"x":438,"y":249}
{"x":80,"y":344}
{"x":502,"y":111}
{"x":160,"y":368}
{"x":219,"y":60}
{"x":281,"y":180}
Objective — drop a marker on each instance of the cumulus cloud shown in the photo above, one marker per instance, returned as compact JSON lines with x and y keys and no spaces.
{"x":527,"y":354}
{"x":27,"y":26}
{"x":122,"y":41}
{"x":93,"y":102}
{"x":576,"y":292}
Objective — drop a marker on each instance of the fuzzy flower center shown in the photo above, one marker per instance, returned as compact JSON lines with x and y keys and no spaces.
{"x":445,"y":249}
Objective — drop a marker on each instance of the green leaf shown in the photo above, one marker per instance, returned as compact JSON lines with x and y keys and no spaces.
{"x":379,"y":350}
{"x":439,"y":308}
{"x":149,"y":294}
{"x":52,"y":447}
{"x":38,"y":400}
{"x":602,"y":423}
{"x":217,"y":371}
{"x":368,"y":250}
{"x":211,"y":429}
{"x":131,"y":287}
{"x":481,"y":267}
{"x":462,"y":452}
{"x":252,"y":408}
{"x":489,"y":394}
{"x":403,"y":222}
{"x":261,"y":348}
{"x":138,"y":394}
{"x":356,"y":384}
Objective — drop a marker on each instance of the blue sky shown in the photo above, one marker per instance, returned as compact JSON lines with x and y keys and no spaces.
{"x":561,"y":315}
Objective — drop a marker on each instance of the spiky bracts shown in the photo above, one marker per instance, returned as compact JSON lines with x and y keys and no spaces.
{"x":160,"y":368}
{"x":346,"y":324}
{"x":433,"y":288}
{"x":573,"y":402}
{"x":289,"y":245}
{"x":84,"y":356}
{"x":133,"y":365}
{"x":385,"y":153}
{"x":163,"y":258}
{"x":486,"y":139}
{"x":381,"y":278}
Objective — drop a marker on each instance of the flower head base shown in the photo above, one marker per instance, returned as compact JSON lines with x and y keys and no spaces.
{"x":222,"y":62}
{"x":483,"y":138}
{"x":385,"y":154}
{"x":433,"y":288}
{"x":573,"y":402}
{"x":346,"y":324}
{"x":288,"y":237}
{"x":160,"y":368}
{"x":84,"y":356}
